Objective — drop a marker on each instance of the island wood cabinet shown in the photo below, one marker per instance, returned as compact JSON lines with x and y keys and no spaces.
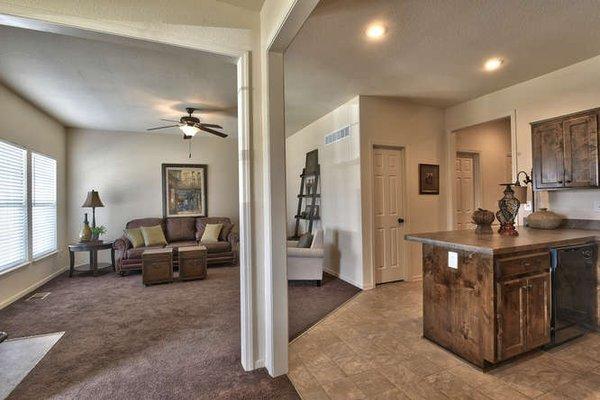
{"x":565,"y":151}
{"x":523,"y":314}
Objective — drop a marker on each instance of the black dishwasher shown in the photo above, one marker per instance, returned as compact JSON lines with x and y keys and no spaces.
{"x":573,"y":291}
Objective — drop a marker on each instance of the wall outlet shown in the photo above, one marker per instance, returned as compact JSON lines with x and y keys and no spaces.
{"x":597,"y":205}
{"x":453,"y":260}
{"x":527,"y":206}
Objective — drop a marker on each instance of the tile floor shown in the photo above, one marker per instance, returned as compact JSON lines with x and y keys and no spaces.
{"x":371,"y":348}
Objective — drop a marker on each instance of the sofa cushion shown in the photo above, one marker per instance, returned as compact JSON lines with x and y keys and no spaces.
{"x":181,"y":228}
{"x":216,"y":247}
{"x":138,"y":223}
{"x":211,"y":233}
{"x":154,"y":236}
{"x":202,"y":221}
{"x":186,"y":243}
{"x":134,"y":235}
{"x":225,"y":231}
{"x":137,"y":252}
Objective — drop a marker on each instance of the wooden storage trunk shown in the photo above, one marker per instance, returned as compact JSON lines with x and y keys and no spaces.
{"x":192,"y":262}
{"x":157,"y":266}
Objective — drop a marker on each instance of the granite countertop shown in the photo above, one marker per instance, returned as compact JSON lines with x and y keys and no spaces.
{"x":495,"y":243}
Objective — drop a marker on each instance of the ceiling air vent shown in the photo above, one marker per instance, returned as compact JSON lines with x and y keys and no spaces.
{"x":337,"y":135}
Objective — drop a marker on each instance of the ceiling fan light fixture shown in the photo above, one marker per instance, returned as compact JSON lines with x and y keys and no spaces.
{"x":189,"y":130}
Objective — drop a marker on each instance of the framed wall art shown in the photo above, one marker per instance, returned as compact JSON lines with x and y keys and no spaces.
{"x":429,"y":179}
{"x":184,"y":190}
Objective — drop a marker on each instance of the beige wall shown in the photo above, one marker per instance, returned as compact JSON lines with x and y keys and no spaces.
{"x":567,"y":90}
{"x":420,"y":131}
{"x":340,"y":188}
{"x":23,"y":124}
{"x":491,"y":141}
{"x":125,"y":168}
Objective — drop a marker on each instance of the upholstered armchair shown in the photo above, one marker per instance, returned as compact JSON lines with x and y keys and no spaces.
{"x":306,"y":264}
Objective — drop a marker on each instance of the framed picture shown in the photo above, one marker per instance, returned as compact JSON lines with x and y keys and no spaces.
{"x":312,"y":161}
{"x":429,"y":179}
{"x":184,"y":190}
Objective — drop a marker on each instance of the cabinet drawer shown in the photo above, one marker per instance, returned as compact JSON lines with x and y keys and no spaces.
{"x":524,"y":264}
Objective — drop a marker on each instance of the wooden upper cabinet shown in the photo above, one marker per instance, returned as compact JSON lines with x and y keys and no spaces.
{"x":565,"y":151}
{"x":581,"y":151}
{"x":548,"y":155}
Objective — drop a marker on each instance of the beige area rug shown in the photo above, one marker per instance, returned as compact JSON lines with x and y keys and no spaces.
{"x":19,"y":356}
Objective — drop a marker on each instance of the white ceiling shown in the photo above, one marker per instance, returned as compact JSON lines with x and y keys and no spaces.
{"x":433,"y":51}
{"x":116,"y":84}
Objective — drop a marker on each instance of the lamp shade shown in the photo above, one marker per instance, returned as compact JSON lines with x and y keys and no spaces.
{"x":92,"y":200}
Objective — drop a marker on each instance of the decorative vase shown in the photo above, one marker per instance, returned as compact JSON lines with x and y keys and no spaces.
{"x":85,"y":235}
{"x":544,"y":219}
{"x":509,"y":208}
{"x":483,"y":219}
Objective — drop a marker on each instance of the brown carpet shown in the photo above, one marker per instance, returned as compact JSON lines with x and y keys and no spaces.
{"x":127,"y":341}
{"x":308,"y":303}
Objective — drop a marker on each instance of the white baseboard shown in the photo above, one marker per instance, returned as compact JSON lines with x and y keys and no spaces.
{"x":31,"y":288}
{"x":345,"y":278}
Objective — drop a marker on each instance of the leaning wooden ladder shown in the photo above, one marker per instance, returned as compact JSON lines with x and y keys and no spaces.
{"x":312,"y":196}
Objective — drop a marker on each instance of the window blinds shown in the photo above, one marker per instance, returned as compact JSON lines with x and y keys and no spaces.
{"x":43,"y":204}
{"x":13,"y":206}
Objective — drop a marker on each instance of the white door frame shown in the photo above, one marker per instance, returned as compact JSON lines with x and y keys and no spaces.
{"x":244,"y":89}
{"x":451,"y":158}
{"x":371,"y":206}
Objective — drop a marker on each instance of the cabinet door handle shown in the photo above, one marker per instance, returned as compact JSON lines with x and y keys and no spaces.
{"x":569,"y":181}
{"x":560,"y":181}
{"x":400,"y":220}
{"x":526,"y":263}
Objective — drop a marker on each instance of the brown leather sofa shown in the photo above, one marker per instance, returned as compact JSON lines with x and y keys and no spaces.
{"x":179,"y":232}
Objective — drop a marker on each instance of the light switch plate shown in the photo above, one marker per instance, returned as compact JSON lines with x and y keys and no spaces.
{"x":597,"y":205}
{"x":453,"y":260}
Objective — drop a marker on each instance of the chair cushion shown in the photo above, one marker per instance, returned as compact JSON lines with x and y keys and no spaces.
{"x":216,"y":247}
{"x":186,"y":243}
{"x":181,"y":228}
{"x":211,"y":233}
{"x":202,"y":221}
{"x":134,"y":235}
{"x":154,"y":236}
{"x":137,"y":252}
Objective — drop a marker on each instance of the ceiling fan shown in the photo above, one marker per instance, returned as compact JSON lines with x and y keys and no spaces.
{"x":190,"y":125}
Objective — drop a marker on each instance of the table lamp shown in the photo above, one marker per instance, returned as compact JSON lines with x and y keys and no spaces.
{"x":93,"y":200}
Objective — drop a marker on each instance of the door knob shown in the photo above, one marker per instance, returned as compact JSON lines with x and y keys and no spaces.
{"x":400,"y":220}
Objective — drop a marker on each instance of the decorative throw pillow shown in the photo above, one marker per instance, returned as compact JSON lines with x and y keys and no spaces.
{"x":153,"y":235}
{"x":135,"y":237}
{"x":225,"y":231}
{"x":305,"y":241}
{"x":211,"y":233}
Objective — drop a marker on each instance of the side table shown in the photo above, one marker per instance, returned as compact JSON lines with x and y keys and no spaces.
{"x":92,"y":248}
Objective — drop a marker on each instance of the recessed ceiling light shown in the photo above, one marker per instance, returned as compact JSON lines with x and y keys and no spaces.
{"x":375,"y":31}
{"x":493,"y":64}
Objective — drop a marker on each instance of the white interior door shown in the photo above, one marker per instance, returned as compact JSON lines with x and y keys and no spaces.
{"x":465,"y":190}
{"x":388,"y":178}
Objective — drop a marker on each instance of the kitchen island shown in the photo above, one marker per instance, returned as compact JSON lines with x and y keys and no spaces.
{"x":487,"y":298}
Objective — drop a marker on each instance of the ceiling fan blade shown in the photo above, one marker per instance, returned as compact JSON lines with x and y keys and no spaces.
{"x":169,"y":120}
{"x":205,"y":129}
{"x":211,"y":125}
{"x":163,"y":127}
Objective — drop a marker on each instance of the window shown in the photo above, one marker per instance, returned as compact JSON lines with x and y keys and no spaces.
{"x":13,"y":206}
{"x":43,"y":205}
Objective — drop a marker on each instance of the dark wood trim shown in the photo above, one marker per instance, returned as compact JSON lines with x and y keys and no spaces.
{"x":164,"y":187}
{"x":561,"y":117}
